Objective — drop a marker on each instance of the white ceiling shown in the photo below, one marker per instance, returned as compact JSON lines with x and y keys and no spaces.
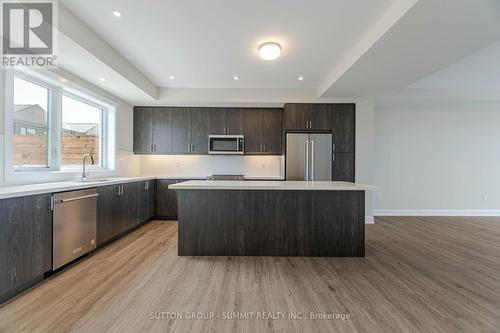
{"x":205,"y":43}
{"x":432,"y":35}
{"x":480,"y":71}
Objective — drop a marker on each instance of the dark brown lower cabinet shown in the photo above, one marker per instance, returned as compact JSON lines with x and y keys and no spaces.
{"x":123,"y":206}
{"x":166,"y":199}
{"x":25,"y":242}
{"x":343,"y":167}
{"x":146,"y":200}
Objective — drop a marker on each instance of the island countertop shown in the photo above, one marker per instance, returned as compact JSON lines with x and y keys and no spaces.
{"x":283,"y":185}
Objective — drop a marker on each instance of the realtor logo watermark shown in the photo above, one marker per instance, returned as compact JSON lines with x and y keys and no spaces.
{"x":29,"y":33}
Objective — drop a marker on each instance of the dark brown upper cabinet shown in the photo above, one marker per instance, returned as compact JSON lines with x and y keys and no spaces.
{"x":343,"y":124}
{"x":143,"y":130}
{"x":178,"y":130}
{"x":263,"y":134}
{"x":152,"y":130}
{"x":225,"y":121}
{"x":304,"y":117}
{"x":198,"y":131}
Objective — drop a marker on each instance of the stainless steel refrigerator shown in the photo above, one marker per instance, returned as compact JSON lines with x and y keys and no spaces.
{"x":308,"y":156}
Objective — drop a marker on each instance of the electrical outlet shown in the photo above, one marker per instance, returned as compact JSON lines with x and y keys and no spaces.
{"x":263,"y":165}
{"x":378,"y":196}
{"x":485,"y":197}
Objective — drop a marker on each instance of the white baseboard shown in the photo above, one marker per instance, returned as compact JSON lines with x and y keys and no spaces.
{"x":435,"y":212}
{"x":369,"y":220}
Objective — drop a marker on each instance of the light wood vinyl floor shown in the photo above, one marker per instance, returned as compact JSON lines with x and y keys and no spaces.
{"x":419,"y":275}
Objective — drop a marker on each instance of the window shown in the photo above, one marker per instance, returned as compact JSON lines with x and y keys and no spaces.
{"x":31,"y":119}
{"x":53,"y":126}
{"x":82,"y":131}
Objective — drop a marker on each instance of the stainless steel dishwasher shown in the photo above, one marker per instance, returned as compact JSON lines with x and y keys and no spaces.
{"x":75,"y":225}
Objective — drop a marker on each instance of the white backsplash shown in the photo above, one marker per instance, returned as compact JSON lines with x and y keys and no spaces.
{"x":129,"y":165}
{"x":203,"y":165}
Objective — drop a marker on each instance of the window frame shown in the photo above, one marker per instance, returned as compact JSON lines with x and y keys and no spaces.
{"x":104,"y":134}
{"x":55,"y":170}
{"x":50,"y":122}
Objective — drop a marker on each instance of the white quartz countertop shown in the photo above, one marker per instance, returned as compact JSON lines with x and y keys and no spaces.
{"x":270,"y":185}
{"x":41,"y":188}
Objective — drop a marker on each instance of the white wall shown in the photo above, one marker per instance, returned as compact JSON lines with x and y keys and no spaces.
{"x":437,"y":158}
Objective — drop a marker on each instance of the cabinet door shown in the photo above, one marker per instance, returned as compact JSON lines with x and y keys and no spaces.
{"x":166,"y":199}
{"x":162,"y":131}
{"x":297,"y":116}
{"x":143,"y":130}
{"x":344,"y":127}
{"x":145,"y":198}
{"x":253,"y":131}
{"x":216,"y":121}
{"x":108,"y":213}
{"x":198,"y":131}
{"x":180,"y":130}
{"x":129,"y":203}
{"x":25,"y":241}
{"x":343,"y":167}
{"x":319,"y":117}
{"x":235,"y":121}
{"x":271,"y":131}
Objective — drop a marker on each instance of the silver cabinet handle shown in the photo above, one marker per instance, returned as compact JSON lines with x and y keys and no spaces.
{"x":146,"y":185}
{"x":333,"y":147}
{"x":312,"y":160}
{"x":307,"y":160}
{"x":154,"y":146}
{"x":189,"y":147}
{"x":80,"y":198}
{"x":151,"y":147}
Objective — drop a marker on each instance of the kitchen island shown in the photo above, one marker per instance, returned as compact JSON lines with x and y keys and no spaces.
{"x":271,"y":218}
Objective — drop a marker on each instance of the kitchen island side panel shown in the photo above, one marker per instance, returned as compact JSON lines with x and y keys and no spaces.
{"x":271,"y":223}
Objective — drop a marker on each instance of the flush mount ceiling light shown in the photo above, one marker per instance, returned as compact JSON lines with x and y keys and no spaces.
{"x":236,"y":78}
{"x":103,"y":79}
{"x":301,"y":78}
{"x":117,"y":13}
{"x":270,"y":51}
{"x":171,"y":77}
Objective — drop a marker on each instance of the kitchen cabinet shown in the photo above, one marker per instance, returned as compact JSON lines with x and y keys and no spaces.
{"x":143,"y":130}
{"x":263,"y":133}
{"x":175,"y":130}
{"x":121,"y":207}
{"x":166,"y":199}
{"x":303,"y":117}
{"x":181,"y":119}
{"x":162,"y":131}
{"x":108,"y":213}
{"x":343,"y":167}
{"x":146,"y":200}
{"x":225,"y":121}
{"x":152,"y":130}
{"x":25,"y":242}
{"x":343,"y":126}
{"x":198,"y":130}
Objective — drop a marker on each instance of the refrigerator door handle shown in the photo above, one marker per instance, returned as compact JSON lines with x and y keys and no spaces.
{"x":307,"y":160}
{"x":312,"y":160}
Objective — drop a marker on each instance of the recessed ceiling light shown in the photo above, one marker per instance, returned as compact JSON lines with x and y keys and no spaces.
{"x":117,"y":13}
{"x":236,"y":78}
{"x":63,"y":80}
{"x":171,"y":77}
{"x":301,"y":78}
{"x":270,"y":51}
{"x":103,"y":79}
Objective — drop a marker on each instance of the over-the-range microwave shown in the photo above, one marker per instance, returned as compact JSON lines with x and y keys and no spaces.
{"x":226,"y":144}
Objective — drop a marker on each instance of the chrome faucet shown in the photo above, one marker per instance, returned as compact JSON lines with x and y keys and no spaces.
{"x":84,"y":172}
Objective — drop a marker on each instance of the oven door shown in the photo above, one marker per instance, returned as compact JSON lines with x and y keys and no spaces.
{"x":226,"y":145}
